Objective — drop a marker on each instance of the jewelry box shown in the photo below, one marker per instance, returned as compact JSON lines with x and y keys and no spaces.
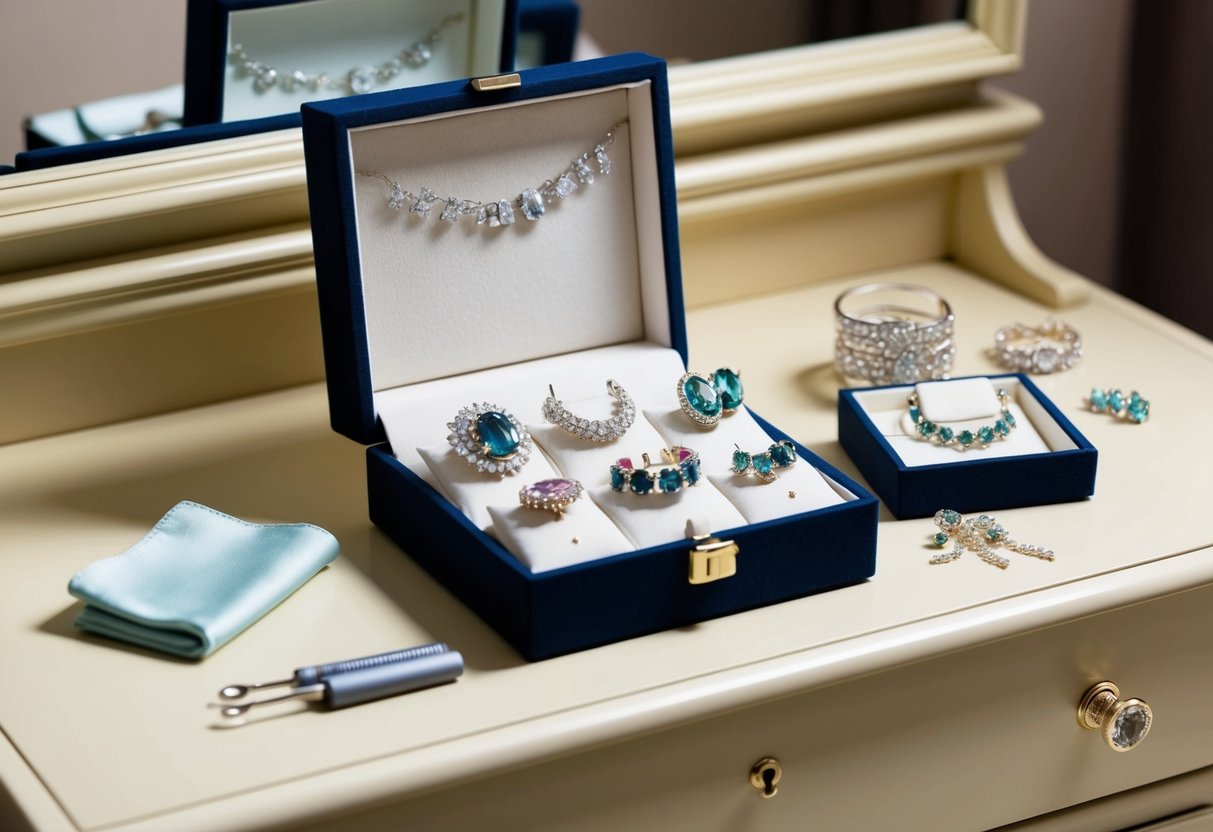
{"x":1033,"y":456}
{"x":425,"y":319}
{"x":252,"y":59}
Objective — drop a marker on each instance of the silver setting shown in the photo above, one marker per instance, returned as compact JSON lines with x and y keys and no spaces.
{"x":701,"y":419}
{"x":532,"y":202}
{"x":595,"y":430}
{"x":354,"y":81}
{"x":465,"y":439}
{"x":980,"y":535}
{"x":897,"y":341}
{"x":1052,"y":347}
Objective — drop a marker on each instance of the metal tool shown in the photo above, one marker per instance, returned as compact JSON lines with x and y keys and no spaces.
{"x":354,"y":681}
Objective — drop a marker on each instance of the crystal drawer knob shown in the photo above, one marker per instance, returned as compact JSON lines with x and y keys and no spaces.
{"x":1124,"y":723}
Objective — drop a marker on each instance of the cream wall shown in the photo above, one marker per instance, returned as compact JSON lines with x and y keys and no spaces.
{"x":60,"y":53}
{"x":1067,"y":184}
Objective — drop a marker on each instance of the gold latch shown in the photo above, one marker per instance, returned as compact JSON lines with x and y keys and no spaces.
{"x":497,"y":82}
{"x":713,"y":560}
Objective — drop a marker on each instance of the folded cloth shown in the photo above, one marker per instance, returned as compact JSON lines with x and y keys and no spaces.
{"x":198,"y":579}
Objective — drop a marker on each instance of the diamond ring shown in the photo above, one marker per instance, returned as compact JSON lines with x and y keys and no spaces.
{"x":903,"y":334}
{"x":1051,"y":347}
{"x":490,"y":438}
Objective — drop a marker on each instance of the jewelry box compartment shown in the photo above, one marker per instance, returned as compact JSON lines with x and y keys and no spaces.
{"x":424,"y":316}
{"x":911,"y":452}
{"x":254,"y":59}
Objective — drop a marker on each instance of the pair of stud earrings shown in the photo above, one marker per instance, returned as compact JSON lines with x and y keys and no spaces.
{"x":706,"y":398}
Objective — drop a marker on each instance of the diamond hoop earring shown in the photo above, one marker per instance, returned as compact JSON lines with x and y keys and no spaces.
{"x":595,"y":430}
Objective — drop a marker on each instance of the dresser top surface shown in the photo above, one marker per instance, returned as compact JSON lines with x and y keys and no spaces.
{"x":143,"y":744}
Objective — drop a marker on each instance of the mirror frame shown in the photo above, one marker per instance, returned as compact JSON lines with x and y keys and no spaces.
{"x":98,"y":243}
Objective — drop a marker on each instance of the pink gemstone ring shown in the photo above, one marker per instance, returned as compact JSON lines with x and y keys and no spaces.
{"x":554,"y":495}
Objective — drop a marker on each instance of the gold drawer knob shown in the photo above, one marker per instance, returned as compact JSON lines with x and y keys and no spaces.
{"x":765,"y":776}
{"x":1124,"y":723}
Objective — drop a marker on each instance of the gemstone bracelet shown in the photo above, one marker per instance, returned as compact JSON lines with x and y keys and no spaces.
{"x":353,"y":82}
{"x":925,"y":429}
{"x":532,"y":202}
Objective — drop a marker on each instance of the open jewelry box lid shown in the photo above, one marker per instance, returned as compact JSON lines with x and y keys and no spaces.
{"x":405,"y":300}
{"x":339,"y":35}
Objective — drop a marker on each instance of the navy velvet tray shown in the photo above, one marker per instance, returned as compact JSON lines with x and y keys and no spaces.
{"x":971,"y":483}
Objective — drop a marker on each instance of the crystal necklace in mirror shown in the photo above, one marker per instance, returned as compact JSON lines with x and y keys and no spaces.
{"x":355,"y":81}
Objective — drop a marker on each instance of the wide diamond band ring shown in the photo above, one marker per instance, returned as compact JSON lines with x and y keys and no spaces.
{"x":893,"y":333}
{"x":1051,"y":347}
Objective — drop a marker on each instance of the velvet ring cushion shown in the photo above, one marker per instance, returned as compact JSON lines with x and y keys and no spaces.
{"x":473,"y":491}
{"x":590,"y":462}
{"x":799,"y":488}
{"x":662,"y":518}
{"x":198,"y":579}
{"x":583,"y":533}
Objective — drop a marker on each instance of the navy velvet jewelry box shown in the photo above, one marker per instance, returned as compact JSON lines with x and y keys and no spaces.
{"x":422,"y":316}
{"x":1060,"y":470}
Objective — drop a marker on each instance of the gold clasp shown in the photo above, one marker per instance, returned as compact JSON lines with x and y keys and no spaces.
{"x":497,"y":82}
{"x":712,"y":560}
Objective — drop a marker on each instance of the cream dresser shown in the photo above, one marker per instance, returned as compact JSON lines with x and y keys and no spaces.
{"x":180,"y":354}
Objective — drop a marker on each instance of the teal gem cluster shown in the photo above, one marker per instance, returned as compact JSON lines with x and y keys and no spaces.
{"x":682,"y":470}
{"x":1132,"y":408}
{"x":963,"y":440}
{"x":490,"y":438}
{"x":706,"y":398}
{"x":781,"y":454}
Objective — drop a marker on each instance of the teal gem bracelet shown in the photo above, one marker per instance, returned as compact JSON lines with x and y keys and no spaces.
{"x":983,"y":437}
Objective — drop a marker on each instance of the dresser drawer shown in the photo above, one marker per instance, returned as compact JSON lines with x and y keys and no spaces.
{"x":968,"y":740}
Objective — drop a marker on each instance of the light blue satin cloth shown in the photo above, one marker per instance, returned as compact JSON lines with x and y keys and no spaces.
{"x":198,"y":579}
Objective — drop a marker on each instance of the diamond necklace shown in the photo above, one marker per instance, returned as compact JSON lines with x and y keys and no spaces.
{"x":356,"y":81}
{"x":531,"y":202}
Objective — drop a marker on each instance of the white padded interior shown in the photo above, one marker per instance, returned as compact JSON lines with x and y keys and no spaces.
{"x":590,"y":273}
{"x":1036,"y":431}
{"x":760,"y":501}
{"x":962,"y":400}
{"x":335,"y":36}
{"x":543,"y":543}
{"x":458,"y":314}
{"x":473,"y":491}
{"x":661,"y":518}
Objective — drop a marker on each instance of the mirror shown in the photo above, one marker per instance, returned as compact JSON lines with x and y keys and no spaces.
{"x":142,"y":94}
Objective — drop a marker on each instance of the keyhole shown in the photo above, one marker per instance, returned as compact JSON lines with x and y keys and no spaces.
{"x":765,"y":775}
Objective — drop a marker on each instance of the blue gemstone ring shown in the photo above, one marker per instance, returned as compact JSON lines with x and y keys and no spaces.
{"x":705,"y":398}
{"x":681,"y":468}
{"x":490,"y":438}
{"x":927,"y":431}
{"x":781,"y":454}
